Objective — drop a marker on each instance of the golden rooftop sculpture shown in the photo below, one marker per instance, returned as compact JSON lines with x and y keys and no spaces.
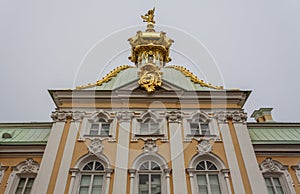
{"x":149,"y":16}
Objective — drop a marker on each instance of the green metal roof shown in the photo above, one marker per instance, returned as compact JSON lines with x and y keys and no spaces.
{"x":24,"y":136}
{"x":169,"y":75}
{"x":275,"y":135}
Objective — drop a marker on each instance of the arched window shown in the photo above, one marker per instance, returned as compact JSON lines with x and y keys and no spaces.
{"x":208,"y":175}
{"x":149,"y":178}
{"x":207,"y":178}
{"x":91,"y":174}
{"x":91,"y":180}
{"x":149,"y":174}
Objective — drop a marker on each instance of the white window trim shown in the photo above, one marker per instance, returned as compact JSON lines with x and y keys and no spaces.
{"x":191,"y":118}
{"x":297,"y":171}
{"x":76,"y":172}
{"x":2,"y":171}
{"x":94,"y":118}
{"x":160,"y":119}
{"x":28,"y":168}
{"x":222,"y":172}
{"x":165,"y":172}
{"x":273,"y":168}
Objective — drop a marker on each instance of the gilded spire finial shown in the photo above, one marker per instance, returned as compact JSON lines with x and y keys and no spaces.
{"x":149,"y":16}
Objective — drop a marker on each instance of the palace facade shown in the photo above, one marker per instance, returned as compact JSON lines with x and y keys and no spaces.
{"x":151,"y":128}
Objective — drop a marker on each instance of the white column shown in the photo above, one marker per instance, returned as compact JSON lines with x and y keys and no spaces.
{"x":168,"y":184}
{"x":120,"y":178}
{"x":72,"y":182}
{"x":177,"y":156}
{"x":236,"y":177}
{"x":132,"y":177}
{"x":108,"y":177}
{"x":256,"y":179}
{"x":191,"y":176}
{"x":64,"y":168}
{"x":42,"y":180}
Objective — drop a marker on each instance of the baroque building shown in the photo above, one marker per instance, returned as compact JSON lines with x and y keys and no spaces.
{"x":151,"y":128}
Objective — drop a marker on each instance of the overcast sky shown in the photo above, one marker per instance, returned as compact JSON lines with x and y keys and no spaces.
{"x":44,"y":44}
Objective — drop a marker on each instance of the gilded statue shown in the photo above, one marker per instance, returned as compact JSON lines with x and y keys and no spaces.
{"x":149,"y":16}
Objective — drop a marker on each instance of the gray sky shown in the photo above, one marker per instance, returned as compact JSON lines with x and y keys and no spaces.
{"x":255,"y":43}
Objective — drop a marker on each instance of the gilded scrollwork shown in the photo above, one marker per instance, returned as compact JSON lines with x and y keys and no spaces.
{"x":150,"y":77}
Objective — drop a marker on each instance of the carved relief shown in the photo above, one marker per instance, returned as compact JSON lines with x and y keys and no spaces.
{"x":96,"y":146}
{"x":204,"y":147}
{"x":150,"y":147}
{"x":268,"y":165}
{"x":65,"y":115}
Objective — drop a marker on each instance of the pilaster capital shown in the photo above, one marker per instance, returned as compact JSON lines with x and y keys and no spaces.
{"x":174,"y":116}
{"x":235,"y":116}
{"x":125,"y":116}
{"x":62,"y":116}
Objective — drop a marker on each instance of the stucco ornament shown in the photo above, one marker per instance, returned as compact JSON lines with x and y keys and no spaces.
{"x":150,"y":147}
{"x":269,"y":165}
{"x":96,"y":146}
{"x":28,"y":166}
{"x":204,"y":147}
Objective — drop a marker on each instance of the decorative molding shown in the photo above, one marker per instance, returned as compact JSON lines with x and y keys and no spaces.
{"x":268,"y":165}
{"x":236,"y":116}
{"x":95,"y":146}
{"x":124,"y":116}
{"x":150,"y":77}
{"x":63,"y":116}
{"x":204,"y":147}
{"x":106,"y":78}
{"x":174,"y":116}
{"x":297,"y":171}
{"x":28,"y":166}
{"x":2,"y":170}
{"x":150,"y":147}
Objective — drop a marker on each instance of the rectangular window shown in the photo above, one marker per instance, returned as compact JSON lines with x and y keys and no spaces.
{"x":199,"y":129}
{"x":24,"y":185}
{"x":202,"y":184}
{"x":101,"y":129}
{"x":149,"y":128}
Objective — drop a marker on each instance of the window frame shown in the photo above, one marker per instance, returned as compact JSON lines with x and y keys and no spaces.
{"x":200,"y":118}
{"x":222,"y":172}
{"x":149,"y":117}
{"x":77,"y":172}
{"x":21,"y":171}
{"x":149,"y":172}
{"x":93,"y":118}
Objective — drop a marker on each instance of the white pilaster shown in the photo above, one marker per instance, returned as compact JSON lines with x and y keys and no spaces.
{"x":121,"y":167}
{"x":66,"y":159}
{"x":237,"y":181}
{"x":256,"y":179}
{"x":177,"y":156}
{"x":42,"y":180}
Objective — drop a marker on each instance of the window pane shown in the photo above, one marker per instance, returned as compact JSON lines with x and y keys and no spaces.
{"x":89,"y":166}
{"x":143,"y":184}
{"x":200,"y":166}
{"x":94,"y":132}
{"x":98,"y":166}
{"x":155,"y":184}
{"x":97,"y":184}
{"x":269,"y":186}
{"x":84,"y":184}
{"x":202,"y":184}
{"x":95,"y":126}
{"x":154,"y":128}
{"x":154,"y":166}
{"x":144,"y":128}
{"x":29,"y":185}
{"x":278,"y":185}
{"x":214,"y":184}
{"x":210,"y":166}
{"x":145,"y":166}
{"x":20,"y":185}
